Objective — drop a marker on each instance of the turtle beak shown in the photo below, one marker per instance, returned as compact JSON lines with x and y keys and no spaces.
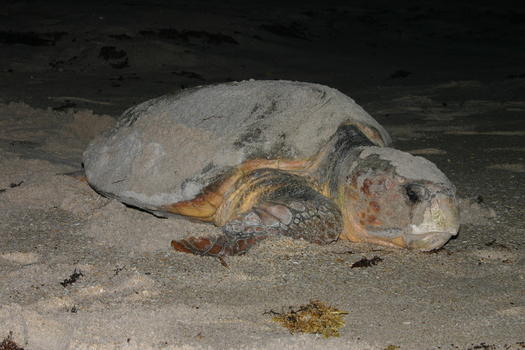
{"x":434,"y":224}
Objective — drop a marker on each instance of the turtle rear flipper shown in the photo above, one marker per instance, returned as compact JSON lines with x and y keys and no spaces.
{"x":317,"y":220}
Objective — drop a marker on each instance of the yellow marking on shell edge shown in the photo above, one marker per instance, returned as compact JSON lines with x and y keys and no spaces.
{"x":215,"y":193}
{"x":294,"y":164}
{"x":283,"y":164}
{"x":205,"y":206}
{"x":198,"y":208}
{"x":372,"y":134}
{"x":259,"y":164}
{"x":239,"y":197}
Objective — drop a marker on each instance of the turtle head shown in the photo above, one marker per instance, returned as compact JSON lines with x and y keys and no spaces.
{"x":392,"y":198}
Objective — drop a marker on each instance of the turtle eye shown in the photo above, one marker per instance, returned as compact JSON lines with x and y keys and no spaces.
{"x":415,"y":193}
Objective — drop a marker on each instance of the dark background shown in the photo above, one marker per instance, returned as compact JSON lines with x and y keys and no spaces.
{"x":109,"y":55}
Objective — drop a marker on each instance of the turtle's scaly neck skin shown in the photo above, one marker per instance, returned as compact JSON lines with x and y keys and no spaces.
{"x":335,"y":160}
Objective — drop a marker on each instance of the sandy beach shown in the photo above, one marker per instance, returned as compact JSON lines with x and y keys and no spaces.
{"x":80,"y":271}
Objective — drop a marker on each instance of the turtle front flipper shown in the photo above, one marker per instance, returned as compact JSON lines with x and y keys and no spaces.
{"x":317,"y":220}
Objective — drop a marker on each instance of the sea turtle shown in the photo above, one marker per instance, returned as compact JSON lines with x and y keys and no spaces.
{"x":265,"y":158}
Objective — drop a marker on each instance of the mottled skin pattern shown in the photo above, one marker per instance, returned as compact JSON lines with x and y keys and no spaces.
{"x":285,"y":204}
{"x":336,"y":194}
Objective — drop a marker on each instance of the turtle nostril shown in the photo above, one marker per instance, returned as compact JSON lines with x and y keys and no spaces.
{"x":415,"y":193}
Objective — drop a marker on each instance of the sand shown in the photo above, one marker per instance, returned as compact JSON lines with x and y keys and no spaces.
{"x":79,"y":271}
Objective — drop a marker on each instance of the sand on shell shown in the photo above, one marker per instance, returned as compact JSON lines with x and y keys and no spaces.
{"x":79,"y":271}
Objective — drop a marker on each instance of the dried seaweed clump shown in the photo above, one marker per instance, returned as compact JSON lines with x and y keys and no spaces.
{"x":315,"y":317}
{"x":8,"y":344}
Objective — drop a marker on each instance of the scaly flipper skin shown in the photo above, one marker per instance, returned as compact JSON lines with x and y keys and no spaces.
{"x":313,"y":217}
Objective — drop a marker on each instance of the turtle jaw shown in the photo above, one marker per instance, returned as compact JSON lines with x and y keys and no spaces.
{"x":423,"y":242}
{"x":439,"y":221}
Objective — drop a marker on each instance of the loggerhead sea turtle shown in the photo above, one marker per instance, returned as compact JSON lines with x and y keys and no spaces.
{"x":265,"y":158}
